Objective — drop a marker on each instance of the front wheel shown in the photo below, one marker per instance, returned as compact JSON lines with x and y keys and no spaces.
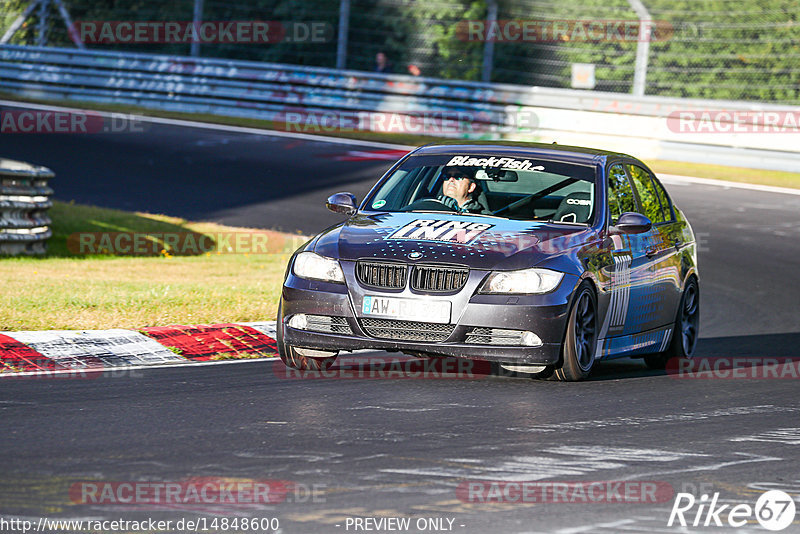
{"x":299,"y":358}
{"x":580,"y":341}
{"x":686,"y":329}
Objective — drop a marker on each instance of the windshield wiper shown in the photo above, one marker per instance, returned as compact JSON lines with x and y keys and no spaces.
{"x":426,"y":211}
{"x":481,"y":215}
{"x":567,"y":222}
{"x":459,"y":213}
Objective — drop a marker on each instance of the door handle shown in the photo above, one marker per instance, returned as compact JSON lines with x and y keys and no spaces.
{"x":651,"y":251}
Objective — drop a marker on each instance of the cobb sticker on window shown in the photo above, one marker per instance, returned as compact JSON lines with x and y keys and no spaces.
{"x":444,"y":231}
{"x":503,"y":163}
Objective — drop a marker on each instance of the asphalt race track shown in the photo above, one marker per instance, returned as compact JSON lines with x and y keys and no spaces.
{"x":203,"y":174}
{"x":401,"y":447}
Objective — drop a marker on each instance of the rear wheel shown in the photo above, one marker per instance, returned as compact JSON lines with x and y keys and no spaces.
{"x":580,"y":342}
{"x":300,"y":358}
{"x":685,"y":331}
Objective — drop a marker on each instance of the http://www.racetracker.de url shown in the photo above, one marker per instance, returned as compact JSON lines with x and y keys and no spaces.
{"x":46,"y":525}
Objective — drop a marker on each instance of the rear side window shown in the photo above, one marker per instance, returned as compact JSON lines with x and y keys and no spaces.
{"x":620,"y":194}
{"x":650,"y":203}
{"x":664,"y":198}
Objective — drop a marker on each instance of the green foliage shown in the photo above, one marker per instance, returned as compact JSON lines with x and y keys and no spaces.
{"x":720,"y":49}
{"x":9,"y":11}
{"x":450,"y":56}
{"x":289,"y":12}
{"x":732,"y":50}
{"x":417,"y":33}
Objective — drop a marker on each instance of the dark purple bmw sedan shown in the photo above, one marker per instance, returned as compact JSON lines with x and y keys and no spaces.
{"x":543,"y":259}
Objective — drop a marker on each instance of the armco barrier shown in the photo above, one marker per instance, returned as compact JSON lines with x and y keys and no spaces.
{"x":24,"y":201}
{"x":640,"y":125}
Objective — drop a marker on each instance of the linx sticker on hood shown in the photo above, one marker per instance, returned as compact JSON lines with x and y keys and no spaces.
{"x":445,"y":231}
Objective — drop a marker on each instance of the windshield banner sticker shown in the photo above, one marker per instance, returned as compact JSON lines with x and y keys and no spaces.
{"x":444,"y":231}
{"x":503,"y":163}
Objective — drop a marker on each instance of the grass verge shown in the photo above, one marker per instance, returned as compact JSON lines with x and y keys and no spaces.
{"x":699,"y":170}
{"x":731,"y":174}
{"x":96,"y":291}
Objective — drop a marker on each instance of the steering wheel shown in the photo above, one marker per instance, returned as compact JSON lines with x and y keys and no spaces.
{"x":431,"y":204}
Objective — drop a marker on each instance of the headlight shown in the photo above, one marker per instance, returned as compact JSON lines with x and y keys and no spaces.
{"x":316,"y":267}
{"x":523,"y":281}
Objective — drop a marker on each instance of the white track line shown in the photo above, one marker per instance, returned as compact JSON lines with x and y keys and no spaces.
{"x":669,"y":178}
{"x":123,"y":369}
{"x":212,"y":126}
{"x":686,"y":180}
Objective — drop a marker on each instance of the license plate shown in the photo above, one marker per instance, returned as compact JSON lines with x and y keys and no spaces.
{"x":426,"y":311}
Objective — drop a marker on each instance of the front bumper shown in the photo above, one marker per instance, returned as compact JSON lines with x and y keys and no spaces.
{"x":545,"y":315}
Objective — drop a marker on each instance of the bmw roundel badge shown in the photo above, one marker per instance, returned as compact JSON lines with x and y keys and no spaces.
{"x":415,"y":255}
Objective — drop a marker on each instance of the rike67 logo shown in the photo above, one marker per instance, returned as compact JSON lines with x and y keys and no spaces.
{"x":774,"y":510}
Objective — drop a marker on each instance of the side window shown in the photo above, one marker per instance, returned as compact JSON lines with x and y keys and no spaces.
{"x":664,"y":198}
{"x":651,"y":206}
{"x":620,"y":194}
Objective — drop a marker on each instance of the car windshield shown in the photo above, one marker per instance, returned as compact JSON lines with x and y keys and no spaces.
{"x":512,"y":187}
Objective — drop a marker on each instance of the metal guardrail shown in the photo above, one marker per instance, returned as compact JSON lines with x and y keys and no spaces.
{"x":24,"y":201}
{"x":240,"y":88}
{"x":271,"y":91}
{"x":238,"y":84}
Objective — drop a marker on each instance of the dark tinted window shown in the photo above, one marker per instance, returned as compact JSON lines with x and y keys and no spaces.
{"x":662,"y":196}
{"x":514,"y":187}
{"x":651,"y":205}
{"x":620,"y":194}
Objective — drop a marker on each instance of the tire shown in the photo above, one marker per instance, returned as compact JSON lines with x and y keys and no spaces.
{"x":580,"y":340}
{"x":685,"y":330}
{"x":293,"y":356}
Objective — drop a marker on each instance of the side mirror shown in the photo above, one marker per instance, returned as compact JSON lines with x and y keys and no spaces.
{"x":631,"y":223}
{"x":342,"y":203}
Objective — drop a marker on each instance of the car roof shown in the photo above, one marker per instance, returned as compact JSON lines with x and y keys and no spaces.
{"x":573,"y":154}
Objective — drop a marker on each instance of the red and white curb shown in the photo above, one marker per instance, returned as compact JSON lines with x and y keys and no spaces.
{"x":29,"y":353}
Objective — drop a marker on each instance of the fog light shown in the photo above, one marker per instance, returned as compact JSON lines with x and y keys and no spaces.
{"x":299,"y":321}
{"x":531,"y":340}
{"x":529,"y":369}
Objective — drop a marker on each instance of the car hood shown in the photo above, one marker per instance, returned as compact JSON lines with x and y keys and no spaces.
{"x":440,"y":237}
